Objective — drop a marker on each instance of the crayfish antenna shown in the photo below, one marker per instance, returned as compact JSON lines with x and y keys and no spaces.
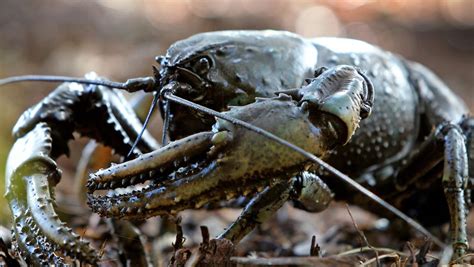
{"x":156,"y":97}
{"x":131,"y":85}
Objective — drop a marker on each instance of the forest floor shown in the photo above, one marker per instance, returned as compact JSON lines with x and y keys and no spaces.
{"x":340,"y":236}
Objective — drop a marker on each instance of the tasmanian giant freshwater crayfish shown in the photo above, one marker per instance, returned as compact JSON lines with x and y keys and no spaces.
{"x":414,"y":143}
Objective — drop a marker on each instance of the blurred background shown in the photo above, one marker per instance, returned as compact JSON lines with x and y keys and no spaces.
{"x":120,"y":38}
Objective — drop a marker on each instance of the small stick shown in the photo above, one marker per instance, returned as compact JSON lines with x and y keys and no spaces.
{"x":362,"y":235}
{"x":314,"y":250}
{"x":412,"y":252}
{"x":392,"y":255}
{"x":205,"y":235}
{"x":180,"y":239}
{"x":102,"y":248}
{"x":381,"y":250}
{"x":425,"y":248}
{"x":468,"y":255}
{"x":293,"y":261}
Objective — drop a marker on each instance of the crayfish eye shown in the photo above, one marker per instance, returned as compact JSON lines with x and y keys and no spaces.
{"x":202,"y":66}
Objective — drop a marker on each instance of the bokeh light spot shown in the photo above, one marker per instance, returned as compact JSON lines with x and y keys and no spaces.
{"x":316,"y":21}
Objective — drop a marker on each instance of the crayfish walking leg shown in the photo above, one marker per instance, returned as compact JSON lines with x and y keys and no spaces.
{"x":307,"y":190}
{"x":444,"y":151}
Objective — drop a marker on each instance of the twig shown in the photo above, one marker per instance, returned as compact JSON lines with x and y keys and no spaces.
{"x":205,"y":235}
{"x":412,"y":252}
{"x":462,"y":257}
{"x":362,"y":235}
{"x":381,"y":250}
{"x":102,"y":248}
{"x":299,"y":261}
{"x":365,"y":249}
{"x":376,"y":259}
{"x":425,"y":248}
{"x":314,"y":250}
{"x":203,"y":247}
{"x":180,"y":239}
{"x":215,"y":252}
{"x":180,"y":254}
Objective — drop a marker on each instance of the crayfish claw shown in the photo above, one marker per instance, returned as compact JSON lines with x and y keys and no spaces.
{"x":144,"y":167}
{"x":229,"y":161}
{"x":39,"y":233}
{"x":160,"y":167}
